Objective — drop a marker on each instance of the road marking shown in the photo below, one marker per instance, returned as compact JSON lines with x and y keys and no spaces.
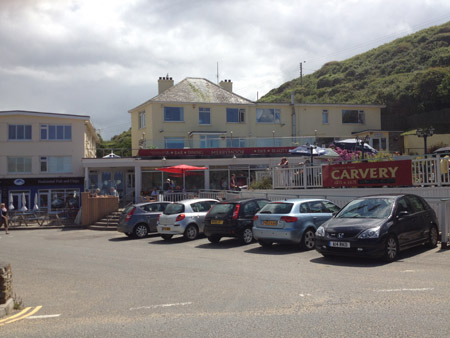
{"x":160,"y":305}
{"x":409,"y":271}
{"x":21,"y":315}
{"x":404,"y":290}
{"x":304,"y":294}
{"x":44,"y":316}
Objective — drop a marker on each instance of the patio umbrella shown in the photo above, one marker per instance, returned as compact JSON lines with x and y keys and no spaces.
{"x":351,"y":144}
{"x":24,"y":203}
{"x":36,"y":207}
{"x":181,"y":169}
{"x":442,"y":150}
{"x":11,"y":204}
{"x":112,"y":155}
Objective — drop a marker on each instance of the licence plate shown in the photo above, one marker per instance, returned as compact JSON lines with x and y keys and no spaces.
{"x":339,"y":244}
{"x":166,"y":229}
{"x":270,"y":223}
{"x":216,"y":221}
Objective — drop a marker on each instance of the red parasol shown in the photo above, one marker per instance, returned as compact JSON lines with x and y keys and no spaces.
{"x":181,"y":169}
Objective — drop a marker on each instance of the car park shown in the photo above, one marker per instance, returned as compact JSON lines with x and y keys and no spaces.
{"x":138,"y":220}
{"x":233,"y":218}
{"x":379,"y":226}
{"x":292,"y":221}
{"x":184,"y":218}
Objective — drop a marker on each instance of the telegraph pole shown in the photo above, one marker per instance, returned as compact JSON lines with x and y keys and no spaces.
{"x":301,"y":72}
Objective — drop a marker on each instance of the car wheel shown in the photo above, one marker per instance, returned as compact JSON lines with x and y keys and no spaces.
{"x":166,"y":237}
{"x":265,"y":244}
{"x":191,"y":232}
{"x":308,"y":240}
{"x":140,"y":231}
{"x":247,"y":236}
{"x":214,"y":239}
{"x":433,"y":239}
{"x":391,"y":249}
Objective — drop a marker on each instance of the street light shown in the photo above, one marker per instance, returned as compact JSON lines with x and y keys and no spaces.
{"x":425,"y":132}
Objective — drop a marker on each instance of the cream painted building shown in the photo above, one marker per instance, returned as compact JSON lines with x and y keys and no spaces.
{"x":41,"y":156}
{"x":196,"y":113}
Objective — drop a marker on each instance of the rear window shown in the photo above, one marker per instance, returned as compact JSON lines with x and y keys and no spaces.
{"x":277,"y":208}
{"x":222,"y":209}
{"x":127,"y":210}
{"x":174,"y":208}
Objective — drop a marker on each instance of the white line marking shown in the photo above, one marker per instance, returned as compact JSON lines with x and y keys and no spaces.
{"x":43,"y":316}
{"x":404,"y":290}
{"x":160,"y":305}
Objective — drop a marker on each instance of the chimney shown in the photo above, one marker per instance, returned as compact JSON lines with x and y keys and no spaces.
{"x":164,"y":83}
{"x":227,"y":85}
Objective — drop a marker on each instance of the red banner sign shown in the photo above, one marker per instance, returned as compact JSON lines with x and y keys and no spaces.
{"x":214,"y":151}
{"x":390,"y":173}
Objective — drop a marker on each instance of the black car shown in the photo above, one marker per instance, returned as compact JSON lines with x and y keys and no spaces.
{"x":233,"y":218}
{"x":379,"y":226}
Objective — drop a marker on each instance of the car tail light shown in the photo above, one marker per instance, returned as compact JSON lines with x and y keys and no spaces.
{"x":289,"y":219}
{"x":180,"y":217}
{"x":130,"y":213}
{"x":255,"y":218}
{"x":236,"y":211}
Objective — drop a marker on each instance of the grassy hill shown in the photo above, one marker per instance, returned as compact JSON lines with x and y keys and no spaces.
{"x":410,"y":75}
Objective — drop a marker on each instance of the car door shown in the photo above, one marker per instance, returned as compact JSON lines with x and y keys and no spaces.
{"x":319,"y":213}
{"x":420,"y":215}
{"x":249,"y":210}
{"x":404,"y":226}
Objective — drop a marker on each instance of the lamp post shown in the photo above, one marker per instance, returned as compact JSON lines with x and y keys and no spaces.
{"x":273,"y":138}
{"x":425,"y":132}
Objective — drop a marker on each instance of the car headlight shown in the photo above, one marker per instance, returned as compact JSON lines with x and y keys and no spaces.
{"x":370,"y":233}
{"x":320,"y":232}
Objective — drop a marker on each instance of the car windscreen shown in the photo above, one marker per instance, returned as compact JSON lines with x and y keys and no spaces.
{"x":221,"y":209}
{"x":174,"y":208}
{"x":277,"y":208}
{"x":367,"y":208}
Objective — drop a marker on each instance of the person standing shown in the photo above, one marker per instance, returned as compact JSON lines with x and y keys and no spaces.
{"x":4,"y":219}
{"x":233,"y":185}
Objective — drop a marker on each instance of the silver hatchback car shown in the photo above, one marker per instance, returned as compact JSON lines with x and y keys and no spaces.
{"x":292,"y":221}
{"x":184,"y":218}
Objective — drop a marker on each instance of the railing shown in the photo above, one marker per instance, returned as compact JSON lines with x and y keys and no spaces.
{"x":433,"y":171}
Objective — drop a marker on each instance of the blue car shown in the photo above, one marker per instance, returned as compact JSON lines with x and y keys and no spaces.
{"x":293,"y":221}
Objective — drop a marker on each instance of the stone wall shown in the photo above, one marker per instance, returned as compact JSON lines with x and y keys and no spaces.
{"x":6,"y":291}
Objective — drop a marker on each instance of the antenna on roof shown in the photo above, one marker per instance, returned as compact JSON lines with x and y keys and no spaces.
{"x":217,"y":72}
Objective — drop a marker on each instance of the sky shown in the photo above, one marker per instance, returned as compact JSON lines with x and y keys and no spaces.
{"x":103,"y":57}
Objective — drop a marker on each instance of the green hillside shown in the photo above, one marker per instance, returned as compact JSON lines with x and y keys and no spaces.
{"x":410,"y":75}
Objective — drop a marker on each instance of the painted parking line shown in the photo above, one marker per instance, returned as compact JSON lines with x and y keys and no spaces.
{"x":19,"y":316}
{"x":160,"y":305}
{"x":405,"y":290}
{"x":44,"y":316}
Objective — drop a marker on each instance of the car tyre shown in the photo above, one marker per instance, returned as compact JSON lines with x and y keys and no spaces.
{"x":214,"y":239}
{"x":391,"y":249}
{"x":166,"y":237}
{"x":308,"y":241}
{"x":265,"y":244}
{"x":247,"y":236}
{"x":433,"y":237}
{"x":140,"y":231}
{"x":191,"y":232}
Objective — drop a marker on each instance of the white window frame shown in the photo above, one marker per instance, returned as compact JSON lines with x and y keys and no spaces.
{"x":24,"y":163}
{"x":325,"y":116}
{"x":45,"y":129}
{"x":16,"y":127}
{"x":272,"y":113}
{"x":205,"y":111}
{"x":56,"y":164}
{"x":141,"y":121}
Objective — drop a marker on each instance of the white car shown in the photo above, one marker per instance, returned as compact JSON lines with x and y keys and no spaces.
{"x":184,"y":218}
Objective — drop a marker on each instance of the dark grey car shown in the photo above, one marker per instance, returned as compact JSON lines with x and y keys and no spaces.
{"x":139,"y":219}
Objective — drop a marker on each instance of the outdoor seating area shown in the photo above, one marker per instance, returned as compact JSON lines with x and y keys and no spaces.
{"x":40,"y":218}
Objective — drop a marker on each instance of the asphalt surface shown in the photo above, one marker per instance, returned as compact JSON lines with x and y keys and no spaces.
{"x":99,"y":283}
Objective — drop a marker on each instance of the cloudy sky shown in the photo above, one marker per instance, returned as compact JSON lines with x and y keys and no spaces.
{"x":103,"y":57}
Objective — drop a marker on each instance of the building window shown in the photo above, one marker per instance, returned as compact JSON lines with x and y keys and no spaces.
{"x":56,"y":164}
{"x":204,"y":115}
{"x":54,"y":132}
{"x":142,"y":119}
{"x":19,"y":165}
{"x":235,"y":115}
{"x":268,"y":116}
{"x":173,"y":114}
{"x":19,"y":132}
{"x":174,"y":142}
{"x":353,"y":116}
{"x":324,"y":116}
{"x":235,"y":143}
{"x":209,"y":141}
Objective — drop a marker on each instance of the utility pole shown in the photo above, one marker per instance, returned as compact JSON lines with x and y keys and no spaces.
{"x":301,"y":72}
